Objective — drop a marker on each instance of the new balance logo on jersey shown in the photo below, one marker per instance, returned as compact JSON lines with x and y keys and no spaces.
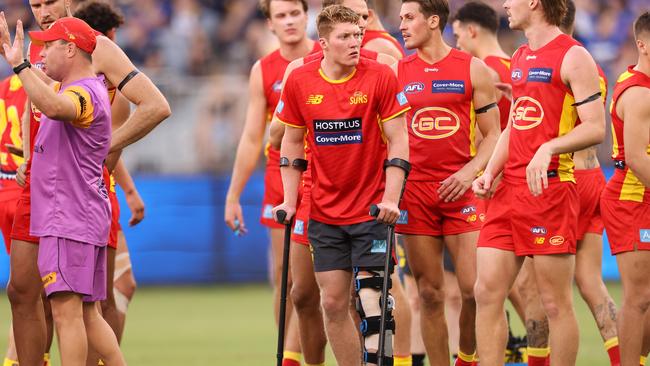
{"x":644,"y":235}
{"x":448,"y":86}
{"x":414,"y":88}
{"x":540,"y":75}
{"x":315,"y":99}
{"x":338,"y":132}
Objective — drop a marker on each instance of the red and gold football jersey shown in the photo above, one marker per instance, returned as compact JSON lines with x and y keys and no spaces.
{"x":344,"y":120}
{"x":542,"y":108}
{"x":12,"y":106}
{"x":369,"y":35}
{"x":624,"y":185}
{"x":441,"y":122}
{"x":502,"y":67}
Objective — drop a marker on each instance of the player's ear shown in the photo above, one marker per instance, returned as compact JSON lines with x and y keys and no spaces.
{"x":323,"y":43}
{"x":434,"y":22}
{"x":471,"y":28}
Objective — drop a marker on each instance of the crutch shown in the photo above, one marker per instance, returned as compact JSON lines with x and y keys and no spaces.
{"x":282,"y":215}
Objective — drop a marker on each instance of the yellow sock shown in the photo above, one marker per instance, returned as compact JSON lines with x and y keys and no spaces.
{"x":538,"y":352}
{"x":46,"y":358}
{"x":10,"y":362}
{"x":289,"y":355}
{"x":100,"y":363}
{"x":641,"y":362}
{"x":465,"y":357}
{"x":612,"y":342}
{"x":403,"y":361}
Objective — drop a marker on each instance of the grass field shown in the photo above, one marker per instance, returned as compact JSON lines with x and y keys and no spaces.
{"x":228,"y":325}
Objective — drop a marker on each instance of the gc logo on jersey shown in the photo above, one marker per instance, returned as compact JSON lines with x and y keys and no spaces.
{"x":435,"y":123}
{"x":414,"y":88}
{"x":528,"y":113}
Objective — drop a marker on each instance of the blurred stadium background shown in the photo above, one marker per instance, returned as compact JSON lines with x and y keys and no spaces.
{"x":199,"y":52}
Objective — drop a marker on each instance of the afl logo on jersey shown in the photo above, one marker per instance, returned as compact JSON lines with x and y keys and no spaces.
{"x":527,"y":113}
{"x":434,"y":123}
{"x":516,"y":75}
{"x":414,"y":88}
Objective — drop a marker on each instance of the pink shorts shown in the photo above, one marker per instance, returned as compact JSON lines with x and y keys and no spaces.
{"x":70,"y":266}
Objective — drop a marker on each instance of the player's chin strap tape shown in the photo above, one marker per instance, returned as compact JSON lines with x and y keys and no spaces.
{"x":127,"y":78}
{"x":588,"y":100}
{"x":486,"y":108}
{"x":398,"y":163}
{"x":300,"y":164}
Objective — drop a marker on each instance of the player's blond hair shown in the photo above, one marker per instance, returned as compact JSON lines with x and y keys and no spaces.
{"x":265,"y":6}
{"x":554,"y":11}
{"x":333,"y":15}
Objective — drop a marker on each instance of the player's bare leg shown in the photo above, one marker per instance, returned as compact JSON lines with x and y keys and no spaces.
{"x":517,"y":302}
{"x":124,"y":284}
{"x":453,"y":303}
{"x":424,"y":255}
{"x":24,"y":292}
{"x":591,"y":286}
{"x":462,"y":248}
{"x":335,"y":287}
{"x":67,"y":311}
{"x":108,"y":310}
{"x":417,"y":344}
{"x":101,"y":337}
{"x":554,"y":277}
{"x":11,"y":354}
{"x":496,"y":272}
{"x":292,"y":340}
{"x":305,"y":297}
{"x":537,"y":330}
{"x":636,"y":301}
{"x":402,"y":314}
{"x":645,"y":347}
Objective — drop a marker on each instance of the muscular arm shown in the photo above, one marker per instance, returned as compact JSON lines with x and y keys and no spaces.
{"x":398,"y":147}
{"x":456,"y":185}
{"x":292,"y":148}
{"x":383,"y":46}
{"x":133,"y":199}
{"x":120,"y":110}
{"x":636,"y":131}
{"x":151,"y":106}
{"x":50,"y":103}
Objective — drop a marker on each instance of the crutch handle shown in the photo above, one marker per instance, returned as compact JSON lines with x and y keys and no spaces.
{"x":374,"y":210}
{"x":281,"y":215}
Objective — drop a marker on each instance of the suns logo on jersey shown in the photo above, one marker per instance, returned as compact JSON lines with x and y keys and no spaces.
{"x":358,"y":98}
{"x":435,"y":123}
{"x":315,"y":99}
{"x":528,"y":113}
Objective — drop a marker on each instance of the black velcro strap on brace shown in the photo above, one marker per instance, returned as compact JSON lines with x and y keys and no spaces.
{"x":373,"y":358}
{"x":127,"y":78}
{"x":588,"y":100}
{"x":375,"y":282}
{"x":371,"y":324}
{"x":300,"y":164}
{"x":398,"y":163}
{"x":486,"y":108}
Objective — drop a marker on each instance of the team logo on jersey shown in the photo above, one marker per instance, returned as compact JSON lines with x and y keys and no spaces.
{"x":378,"y":246}
{"x":401,"y":99}
{"x":277,"y":86}
{"x":528,"y":113}
{"x":470,"y":212}
{"x":448,"y":86}
{"x":338,"y":132}
{"x":403,"y":217}
{"x":516,"y":75}
{"x":435,"y":123}
{"x":540,"y":75}
{"x":538,"y":230}
{"x":644,"y":235}
{"x":267,"y":212}
{"x":358,"y":98}
{"x":315,"y":99}
{"x":414,"y":88}
{"x":299,"y":227}
{"x":49,"y":279}
{"x":557,"y":240}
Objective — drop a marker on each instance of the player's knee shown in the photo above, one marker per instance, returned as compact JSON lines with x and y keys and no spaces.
{"x":335,"y":307}
{"x":432,"y":297}
{"x":127,"y":285}
{"x":63,"y":313}
{"x":21,"y":293}
{"x":639,"y":300}
{"x":553,"y":306}
{"x":489,"y":292}
{"x":304,"y":297}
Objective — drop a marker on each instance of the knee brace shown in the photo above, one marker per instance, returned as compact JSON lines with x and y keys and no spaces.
{"x":368,"y":303}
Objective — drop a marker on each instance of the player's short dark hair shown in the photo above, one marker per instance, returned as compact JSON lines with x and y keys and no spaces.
{"x":479,"y":13}
{"x":265,"y":6}
{"x":433,"y":7}
{"x":554,"y":11}
{"x":327,"y":3}
{"x":569,"y":18}
{"x":332,"y":15}
{"x":642,"y":24}
{"x":101,"y":16}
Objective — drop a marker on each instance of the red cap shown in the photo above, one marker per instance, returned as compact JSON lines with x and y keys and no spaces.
{"x":69,"y":29}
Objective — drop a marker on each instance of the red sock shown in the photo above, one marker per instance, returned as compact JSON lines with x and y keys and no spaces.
{"x":611,"y":345}
{"x":538,"y":361}
{"x":290,"y":362}
{"x":465,"y":359}
{"x":538,"y":356}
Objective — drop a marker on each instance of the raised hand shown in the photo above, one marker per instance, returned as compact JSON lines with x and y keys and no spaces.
{"x":13,"y":53}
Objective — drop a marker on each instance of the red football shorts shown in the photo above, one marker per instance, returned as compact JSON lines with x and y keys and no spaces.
{"x":527,"y":225}
{"x":115,"y":219}
{"x":9,"y":194}
{"x":627,"y":224}
{"x":22,"y":219}
{"x":301,"y":223}
{"x":273,"y":194}
{"x":590,"y":184}
{"x":423,"y":213}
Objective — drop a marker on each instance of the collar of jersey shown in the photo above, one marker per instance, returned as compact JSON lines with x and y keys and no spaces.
{"x":339,"y":81}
